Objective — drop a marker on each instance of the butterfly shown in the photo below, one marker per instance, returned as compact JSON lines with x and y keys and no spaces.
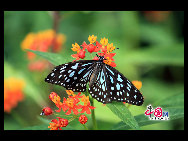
{"x":106,"y":84}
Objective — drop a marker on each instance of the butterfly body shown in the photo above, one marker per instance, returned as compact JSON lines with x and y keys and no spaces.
{"x":93,"y":76}
{"x":106,"y":84}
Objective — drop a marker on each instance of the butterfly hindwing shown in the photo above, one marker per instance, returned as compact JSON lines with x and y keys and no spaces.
{"x":72,"y":76}
{"x":121,"y":89}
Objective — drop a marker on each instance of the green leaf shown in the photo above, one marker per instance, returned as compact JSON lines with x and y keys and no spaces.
{"x":54,"y":58}
{"x":174,"y":105}
{"x":120,"y":110}
{"x":172,"y":101}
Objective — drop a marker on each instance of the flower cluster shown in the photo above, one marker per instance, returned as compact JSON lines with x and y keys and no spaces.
{"x":104,"y":48}
{"x":75,"y":104}
{"x":57,"y":124}
{"x":42,"y":41}
{"x":13,"y":93}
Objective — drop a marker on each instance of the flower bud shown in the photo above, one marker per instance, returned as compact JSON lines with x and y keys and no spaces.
{"x":83,"y":119}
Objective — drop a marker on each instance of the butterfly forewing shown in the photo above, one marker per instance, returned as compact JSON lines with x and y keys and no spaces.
{"x":72,"y":76}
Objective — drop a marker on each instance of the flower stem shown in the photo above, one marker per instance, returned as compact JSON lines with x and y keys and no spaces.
{"x":91,"y":56}
{"x":85,"y":126}
{"x":93,"y":115}
{"x":93,"y":110}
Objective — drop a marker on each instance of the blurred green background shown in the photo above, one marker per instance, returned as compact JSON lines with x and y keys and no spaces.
{"x":151,"y":50}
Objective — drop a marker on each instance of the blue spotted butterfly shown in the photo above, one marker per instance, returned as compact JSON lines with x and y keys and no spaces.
{"x":106,"y":84}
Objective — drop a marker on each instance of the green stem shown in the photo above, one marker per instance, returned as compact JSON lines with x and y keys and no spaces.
{"x":85,"y":126}
{"x":93,"y":115}
{"x":93,"y":110}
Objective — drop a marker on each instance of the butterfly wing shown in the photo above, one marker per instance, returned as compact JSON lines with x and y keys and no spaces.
{"x":111,"y":85}
{"x":121,"y":89}
{"x":73,"y":76}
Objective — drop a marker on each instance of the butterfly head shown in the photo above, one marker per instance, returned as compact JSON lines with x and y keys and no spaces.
{"x":101,"y":58}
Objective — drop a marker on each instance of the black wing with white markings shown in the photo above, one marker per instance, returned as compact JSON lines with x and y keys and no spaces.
{"x":111,"y":85}
{"x":121,"y":89}
{"x":73,"y":76}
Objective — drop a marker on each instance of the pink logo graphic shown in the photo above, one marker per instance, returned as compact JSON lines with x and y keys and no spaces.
{"x":157,"y":113}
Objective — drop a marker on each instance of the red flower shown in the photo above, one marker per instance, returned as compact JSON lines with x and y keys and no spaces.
{"x":76,"y":97}
{"x":13,"y":93}
{"x":46,"y":111}
{"x":110,"y":55}
{"x":83,"y":119}
{"x":86,"y":107}
{"x":82,"y":53}
{"x":70,"y":105}
{"x":91,"y":48}
{"x":84,"y":45}
{"x":64,"y":122}
{"x":109,"y":59}
{"x":57,"y":124}
{"x":56,"y":99}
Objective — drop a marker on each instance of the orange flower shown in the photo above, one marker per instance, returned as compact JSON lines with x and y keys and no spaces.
{"x":110,"y":48}
{"x":104,"y":41}
{"x":92,"y":39}
{"x":43,"y":41}
{"x":69,"y":92}
{"x":70,"y":105}
{"x":86,"y":107}
{"x":108,"y":58}
{"x":80,"y":54}
{"x":59,"y":41}
{"x":54,"y":97}
{"x":103,"y":46}
{"x":137,"y":84}
{"x":76,"y":97}
{"x":75,"y":47}
{"x":13,"y":93}
{"x":57,"y":124}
